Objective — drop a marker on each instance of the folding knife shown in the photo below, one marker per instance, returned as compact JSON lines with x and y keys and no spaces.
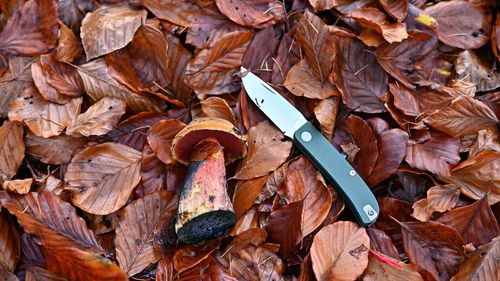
{"x":331,"y":163}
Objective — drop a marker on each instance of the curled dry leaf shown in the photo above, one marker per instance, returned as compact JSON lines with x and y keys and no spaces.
{"x":381,"y":242}
{"x":160,"y":137}
{"x":461,"y":24}
{"x":374,"y":19}
{"x":340,"y":251}
{"x":252,"y":13}
{"x":404,"y":100}
{"x":18,"y":186}
{"x":301,"y":82}
{"x":109,"y":28}
{"x":11,"y":149}
{"x":482,"y":264}
{"x":55,"y":150}
{"x":440,"y":198}
{"x":99,"y":84}
{"x":358,"y":76}
{"x":99,"y":119}
{"x":63,"y":77}
{"x":245,"y":194}
{"x":68,"y":45}
{"x":464,"y":116}
{"x":266,"y":151}
{"x":14,"y":81}
{"x":134,"y":233}
{"x":326,"y":114}
{"x":284,"y":227}
{"x":32,"y":30}
{"x":212,"y":71}
{"x":485,"y":140}
{"x":321,"y":5}
{"x":178,"y":58}
{"x":48,"y":92}
{"x":435,"y":247}
{"x":475,"y":222}
{"x":397,"y":9}
{"x":478,"y":175}
{"x":179,"y":12}
{"x":217,"y":107}
{"x":10,"y":249}
{"x":382,"y":267}
{"x":473,"y":68}
{"x":44,"y":118}
{"x":103,"y":177}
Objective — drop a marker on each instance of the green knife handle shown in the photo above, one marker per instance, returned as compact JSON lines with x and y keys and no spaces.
{"x":339,"y":172}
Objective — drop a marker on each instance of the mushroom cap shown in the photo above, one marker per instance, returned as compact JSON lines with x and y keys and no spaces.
{"x":230,"y":138}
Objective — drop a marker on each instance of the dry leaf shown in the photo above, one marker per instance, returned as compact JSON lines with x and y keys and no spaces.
{"x":398,"y":9}
{"x":55,"y":150}
{"x":18,"y":186}
{"x":110,"y":169}
{"x":321,"y":5}
{"x":284,"y":227}
{"x":217,"y":107}
{"x":11,"y":149}
{"x":63,"y":77}
{"x":471,"y":67}
{"x":245,"y":194}
{"x":486,"y":140}
{"x":48,"y":92}
{"x":440,"y":198}
{"x":180,"y":13}
{"x":482,"y":265}
{"x":99,"y":119}
{"x":9,"y":243}
{"x":301,"y":82}
{"x":376,"y":20}
{"x":326,"y":114}
{"x":340,"y":251}
{"x":109,"y":28}
{"x":44,"y":118}
{"x":252,"y":13}
{"x":68,"y":46}
{"x":382,"y":268}
{"x":13,"y":82}
{"x":160,"y":137}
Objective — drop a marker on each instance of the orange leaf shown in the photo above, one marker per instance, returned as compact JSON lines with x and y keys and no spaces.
{"x":252,"y":13}
{"x":301,"y":82}
{"x":326,"y":114}
{"x":398,"y":9}
{"x":482,"y":264}
{"x":440,"y":198}
{"x":374,"y":19}
{"x":55,"y":150}
{"x":217,"y":107}
{"x":160,"y":137}
{"x":68,"y":46}
{"x":63,"y":77}
{"x":390,"y":269}
{"x":9,"y":243}
{"x":48,"y":92}
{"x":179,"y":12}
{"x":18,"y":186}
{"x":11,"y":149}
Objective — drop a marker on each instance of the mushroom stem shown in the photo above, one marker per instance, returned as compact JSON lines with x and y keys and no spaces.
{"x":205,"y":210}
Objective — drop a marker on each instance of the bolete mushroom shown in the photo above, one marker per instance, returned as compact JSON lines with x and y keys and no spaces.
{"x":206,"y":145}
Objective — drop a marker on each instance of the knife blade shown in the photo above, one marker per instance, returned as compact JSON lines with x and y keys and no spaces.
{"x":331,"y":163}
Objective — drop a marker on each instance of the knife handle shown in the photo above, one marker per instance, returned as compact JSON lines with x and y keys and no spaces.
{"x":339,"y":172}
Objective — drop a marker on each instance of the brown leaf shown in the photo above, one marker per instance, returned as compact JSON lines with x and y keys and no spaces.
{"x":48,"y":92}
{"x":381,"y":242}
{"x":11,"y":149}
{"x":317,"y":44}
{"x":381,"y":267}
{"x":160,"y":137}
{"x":99,"y":119}
{"x":252,"y":13}
{"x":266,"y":151}
{"x":284,"y":227}
{"x":55,"y":150}
{"x":209,"y":269}
{"x":14,"y":81}
{"x":103,"y":176}
{"x":180,"y":13}
{"x":301,"y":82}
{"x":178,"y":58}
{"x":440,"y":198}
{"x":358,"y":76}
{"x":9,"y":243}
{"x":18,"y":186}
{"x":68,"y":45}
{"x":165,"y":269}
{"x":374,"y":19}
{"x":109,"y":28}
{"x":404,"y":100}
{"x":302,"y":184}
{"x":134,"y":233}
{"x":44,"y":118}
{"x":398,"y":9}
{"x":482,"y":264}
{"x":63,"y":77}
{"x":340,"y":251}
{"x":35,"y":273}
{"x":191,"y":255}
{"x":486,"y":140}
{"x":435,"y":155}
{"x":217,"y":107}
{"x":32,"y":30}
{"x":326,"y":114}
{"x":435,"y":247}
{"x":212,"y":70}
{"x":245,"y":194}
{"x":99,"y":84}
{"x":478,"y":175}
{"x":471,"y":67}
{"x":321,"y":5}
{"x":461,"y":24}
{"x":475,"y":222}
{"x":463,"y":117}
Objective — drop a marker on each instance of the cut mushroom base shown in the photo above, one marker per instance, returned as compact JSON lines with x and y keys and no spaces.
{"x":205,"y":210}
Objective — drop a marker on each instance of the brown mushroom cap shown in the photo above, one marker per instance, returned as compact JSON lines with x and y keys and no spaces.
{"x":233,"y":142}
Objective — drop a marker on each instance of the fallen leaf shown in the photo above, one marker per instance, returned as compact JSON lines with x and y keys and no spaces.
{"x":10,"y":248}
{"x":478,"y":175}
{"x":485,"y":140}
{"x":326,"y":114}
{"x":14,"y":81}
{"x":252,"y":13}
{"x":440,"y":198}
{"x":433,"y":246}
{"x":397,"y":9}
{"x":473,"y":68}
{"x":134,"y":233}
{"x":191,"y":255}
{"x":160,"y":137}
{"x":411,"y":184}
{"x":463,"y":117}
{"x":340,"y":251}
{"x":180,"y":13}
{"x":482,"y":264}
{"x":11,"y":149}
{"x":178,"y":58}
{"x":374,"y":19}
{"x":284,"y":227}
{"x":209,"y":269}
{"x":48,"y":92}
{"x":99,"y":84}
{"x":68,"y":45}
{"x":165,"y":269}
{"x":358,"y":76}
{"x":109,"y":168}
{"x":32,"y":30}
{"x":317,"y":44}
{"x":7,"y":276}
{"x":301,"y":82}
{"x":54,"y":150}
{"x":44,"y":118}
{"x":266,"y":151}
{"x":99,"y":119}
{"x":405,"y":100}
{"x":109,"y":28}
{"x":211,"y":71}
{"x":18,"y":186}
{"x":381,"y":267}
{"x":35,"y":273}
{"x":217,"y":107}
{"x":461,"y":24}
{"x":72,"y":12}
{"x":63,"y":77}
{"x":245,"y":194}
{"x":381,"y":242}
{"x":391,"y":208}
{"x":321,"y":5}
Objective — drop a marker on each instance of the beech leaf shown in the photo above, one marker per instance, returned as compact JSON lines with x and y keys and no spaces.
{"x":440,"y":198}
{"x":10,"y":248}
{"x":398,"y":9}
{"x":160,"y":137}
{"x":376,"y":20}
{"x":301,"y":82}
{"x":252,"y":13}
{"x":18,"y":186}
{"x":68,"y":45}
{"x":11,"y":149}
{"x":217,"y":107}
{"x":54,"y":150}
{"x":381,"y":267}
{"x":61,"y":76}
{"x":180,"y":13}
{"x":482,"y":264}
{"x":284,"y":226}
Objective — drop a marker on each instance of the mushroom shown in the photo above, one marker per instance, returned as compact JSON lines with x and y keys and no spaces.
{"x":206,"y":145}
